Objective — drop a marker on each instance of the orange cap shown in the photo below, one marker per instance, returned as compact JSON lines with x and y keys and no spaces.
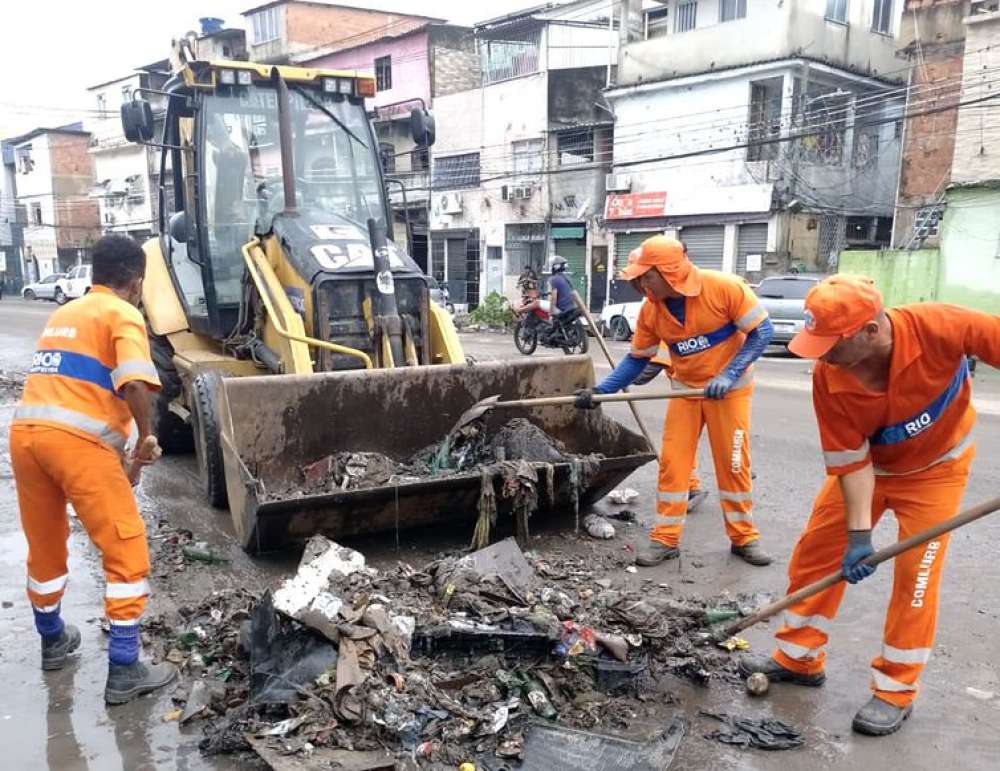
{"x":667,"y":256}
{"x":837,"y":307}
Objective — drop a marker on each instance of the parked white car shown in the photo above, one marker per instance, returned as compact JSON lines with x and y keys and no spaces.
{"x":75,"y":284}
{"x":619,"y":319}
{"x":45,"y":289}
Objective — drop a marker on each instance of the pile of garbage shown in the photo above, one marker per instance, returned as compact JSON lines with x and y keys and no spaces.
{"x":457,"y":661}
{"x":468,"y":449}
{"x":11,"y":385}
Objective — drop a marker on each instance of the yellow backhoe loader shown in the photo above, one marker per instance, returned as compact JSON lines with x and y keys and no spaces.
{"x":283,"y":323}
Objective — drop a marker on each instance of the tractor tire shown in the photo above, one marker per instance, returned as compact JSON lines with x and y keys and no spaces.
{"x":173,"y":434}
{"x":207,"y":437}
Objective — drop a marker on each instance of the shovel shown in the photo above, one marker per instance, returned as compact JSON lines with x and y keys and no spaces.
{"x":483,"y":406}
{"x":882,"y":555}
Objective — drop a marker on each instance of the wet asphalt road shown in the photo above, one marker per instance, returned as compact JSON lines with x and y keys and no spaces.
{"x":59,"y":721}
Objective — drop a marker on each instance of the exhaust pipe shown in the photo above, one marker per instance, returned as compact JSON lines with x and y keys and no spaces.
{"x":285,"y":143}
{"x":384,"y":307}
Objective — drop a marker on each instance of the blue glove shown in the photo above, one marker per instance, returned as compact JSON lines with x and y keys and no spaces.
{"x":859,"y":546}
{"x":719,"y":386}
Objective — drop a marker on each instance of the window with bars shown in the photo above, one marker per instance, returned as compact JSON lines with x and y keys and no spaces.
{"x":575,"y":147}
{"x":455,"y":172}
{"x":387,"y":154}
{"x":730,"y":10}
{"x":527,"y":156}
{"x":36,"y":213}
{"x":657,"y":22}
{"x":926,"y":221}
{"x":882,"y":17}
{"x":836,"y":10}
{"x":383,"y":73}
{"x":687,"y":16}
{"x":264,"y":25}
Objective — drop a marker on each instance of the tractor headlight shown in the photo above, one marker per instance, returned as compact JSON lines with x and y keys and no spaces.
{"x":244,"y":77}
{"x":227,"y":77}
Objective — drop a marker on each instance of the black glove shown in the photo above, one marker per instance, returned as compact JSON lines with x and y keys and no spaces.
{"x":859,"y":546}
{"x":584,"y":399}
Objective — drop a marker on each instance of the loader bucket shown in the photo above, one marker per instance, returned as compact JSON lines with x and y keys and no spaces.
{"x":273,"y":426}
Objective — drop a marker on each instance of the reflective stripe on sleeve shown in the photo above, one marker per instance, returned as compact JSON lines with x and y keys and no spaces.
{"x":48,"y":587}
{"x":96,"y":428}
{"x":133,"y":367}
{"x":126,"y":591}
{"x":835,"y":458}
{"x":752,"y":315}
{"x":646,"y":353}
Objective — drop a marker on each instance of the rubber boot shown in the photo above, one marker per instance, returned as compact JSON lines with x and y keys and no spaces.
{"x":753,"y":663}
{"x":128,"y":681}
{"x":752,"y":554}
{"x":880,"y":718}
{"x":654,"y":553}
{"x":55,"y":651}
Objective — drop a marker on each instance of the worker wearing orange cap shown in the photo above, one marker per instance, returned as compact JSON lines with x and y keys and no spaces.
{"x":715,"y":329}
{"x":892,"y":394}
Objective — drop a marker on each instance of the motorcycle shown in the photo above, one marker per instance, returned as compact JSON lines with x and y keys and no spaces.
{"x":537,"y":326}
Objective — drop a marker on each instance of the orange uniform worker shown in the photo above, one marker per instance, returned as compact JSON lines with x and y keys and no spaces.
{"x":715,"y":329}
{"x":892,"y":395}
{"x":90,"y":377}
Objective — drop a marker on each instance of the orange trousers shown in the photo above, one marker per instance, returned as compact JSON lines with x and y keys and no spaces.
{"x":728,"y":424}
{"x":52,"y":467}
{"x":919,"y":501}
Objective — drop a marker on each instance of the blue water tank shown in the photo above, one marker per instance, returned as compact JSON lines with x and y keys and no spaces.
{"x":210,"y":25}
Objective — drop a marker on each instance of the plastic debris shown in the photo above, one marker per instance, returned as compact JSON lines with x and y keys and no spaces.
{"x":598,"y":527}
{"x":976,"y":693}
{"x":548,"y":747}
{"x":202,"y":551}
{"x":759,"y":733}
{"x":623,"y":496}
{"x":631,"y":569}
{"x":172,"y":716}
{"x":758,"y":684}
{"x":735,"y":644}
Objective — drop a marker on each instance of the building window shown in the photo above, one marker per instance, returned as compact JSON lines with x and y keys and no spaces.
{"x":836,"y":10}
{"x":575,"y":147}
{"x":882,"y":17}
{"x":765,"y":120}
{"x":527,"y":155}
{"x":455,"y":172}
{"x":420,"y":159}
{"x":514,"y":56}
{"x":102,"y":102}
{"x":36,"y":213}
{"x":657,"y":22}
{"x":264,"y":25}
{"x":866,"y":141}
{"x":687,"y":16}
{"x":25,"y":164}
{"x":383,"y":73}
{"x":387,"y":153}
{"x":126,"y":94}
{"x":730,"y":10}
{"x":925,"y":224}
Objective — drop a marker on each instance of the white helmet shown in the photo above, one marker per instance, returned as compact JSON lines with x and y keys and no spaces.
{"x":557,"y":264}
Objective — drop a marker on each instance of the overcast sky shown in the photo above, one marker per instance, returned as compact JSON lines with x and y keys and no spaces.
{"x":51,"y":50}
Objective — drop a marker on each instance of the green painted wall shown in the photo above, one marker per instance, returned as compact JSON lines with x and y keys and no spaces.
{"x":901,"y":276}
{"x":970,"y":242}
{"x":966,"y":269}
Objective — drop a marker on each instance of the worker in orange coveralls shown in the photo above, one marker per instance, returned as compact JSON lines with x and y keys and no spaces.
{"x":90,"y":378}
{"x":892,"y":395}
{"x":715,"y":329}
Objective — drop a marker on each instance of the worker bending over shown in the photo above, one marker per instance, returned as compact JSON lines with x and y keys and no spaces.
{"x":715,"y":329}
{"x":90,"y":378}
{"x":892,"y":396}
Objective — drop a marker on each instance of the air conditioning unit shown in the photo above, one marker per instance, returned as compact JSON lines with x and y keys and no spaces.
{"x":506,"y":193}
{"x":450,"y":203}
{"x":618,"y":183}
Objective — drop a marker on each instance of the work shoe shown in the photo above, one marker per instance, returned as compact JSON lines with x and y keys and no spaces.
{"x":695,"y":499}
{"x":127,"y":681}
{"x":655,"y":553}
{"x":752,"y":663}
{"x":54,"y":652}
{"x":880,"y":718}
{"x":752,"y":553}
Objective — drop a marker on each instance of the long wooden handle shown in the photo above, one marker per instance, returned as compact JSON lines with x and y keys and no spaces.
{"x":607,"y":354}
{"x":888,"y":553}
{"x":552,"y":401}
